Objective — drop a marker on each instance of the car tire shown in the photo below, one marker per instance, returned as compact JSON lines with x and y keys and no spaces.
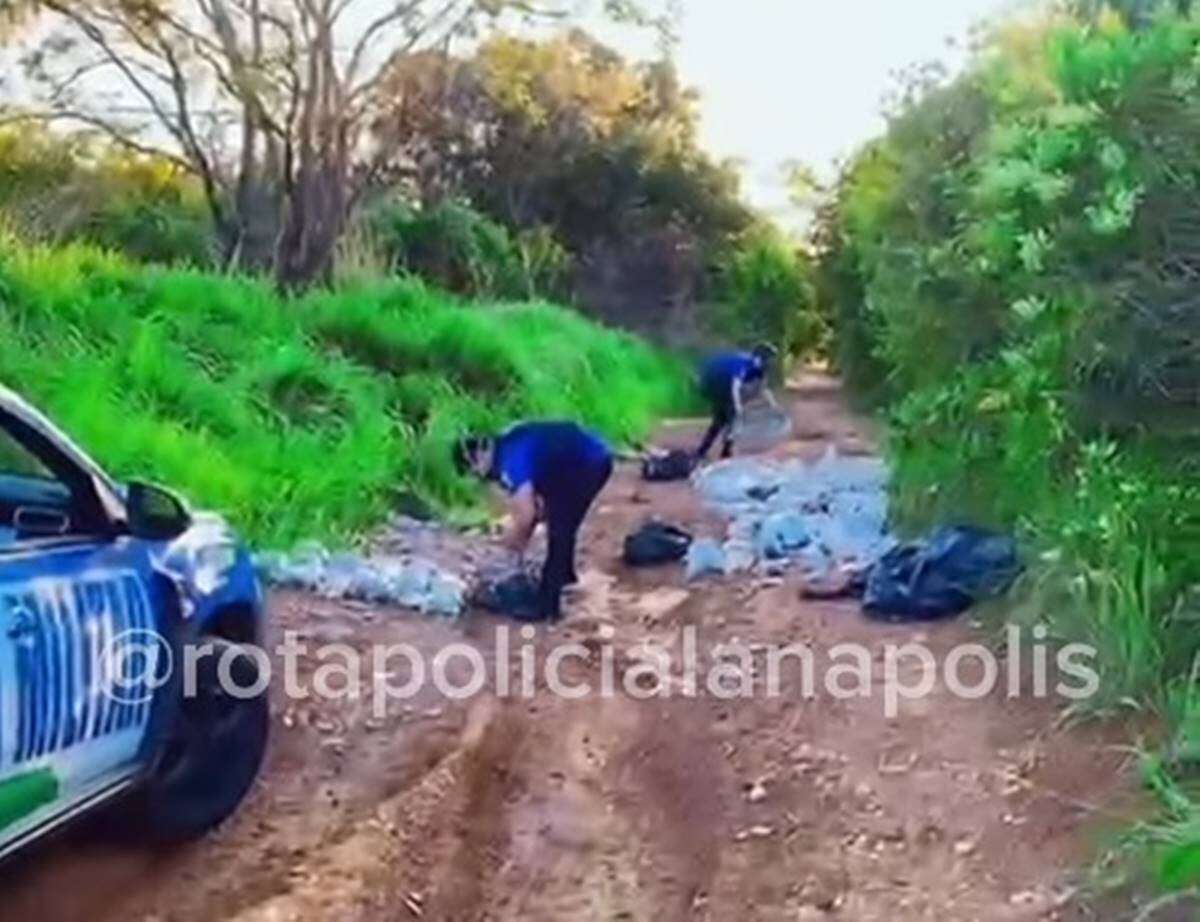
{"x":213,"y":751}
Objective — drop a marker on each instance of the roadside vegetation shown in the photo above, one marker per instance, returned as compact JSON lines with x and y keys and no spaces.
{"x":302,"y":417}
{"x":1012,"y":274}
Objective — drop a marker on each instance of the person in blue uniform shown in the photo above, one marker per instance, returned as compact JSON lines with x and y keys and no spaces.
{"x":727,"y":381}
{"x":550,"y":471}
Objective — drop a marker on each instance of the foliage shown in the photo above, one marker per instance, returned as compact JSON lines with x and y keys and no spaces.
{"x":300,"y":417}
{"x":568,"y":138}
{"x":1012,"y":271}
{"x":550,"y":167}
{"x":59,"y":188}
{"x":269,"y":106}
{"x":456,"y":247}
{"x":765,"y":294}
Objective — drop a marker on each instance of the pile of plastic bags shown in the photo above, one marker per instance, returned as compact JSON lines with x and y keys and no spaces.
{"x":821,"y":516}
{"x":830,"y":518}
{"x":410,"y":582}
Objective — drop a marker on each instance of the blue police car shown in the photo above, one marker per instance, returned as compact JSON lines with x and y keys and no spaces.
{"x":132,"y":677}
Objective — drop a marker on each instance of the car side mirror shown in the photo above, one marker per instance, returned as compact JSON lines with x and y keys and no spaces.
{"x":155,"y":513}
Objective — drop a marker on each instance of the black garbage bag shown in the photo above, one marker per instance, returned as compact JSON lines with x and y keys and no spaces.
{"x":656,"y":543}
{"x":942,"y":576}
{"x":514,"y":595}
{"x":667,"y":467}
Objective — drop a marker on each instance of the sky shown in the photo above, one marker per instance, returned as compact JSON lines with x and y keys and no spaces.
{"x":804,"y":79}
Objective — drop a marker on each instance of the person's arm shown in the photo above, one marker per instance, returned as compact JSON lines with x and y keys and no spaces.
{"x":770,"y":397}
{"x":523,"y":515}
{"x":737,"y":396}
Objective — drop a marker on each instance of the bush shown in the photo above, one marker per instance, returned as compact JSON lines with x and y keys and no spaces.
{"x":59,"y":189}
{"x":765,"y":292}
{"x":454,"y":246}
{"x":1012,"y":268}
{"x":300,"y":418}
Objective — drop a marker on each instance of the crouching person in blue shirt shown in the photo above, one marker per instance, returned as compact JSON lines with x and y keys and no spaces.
{"x":727,"y":381}
{"x":552,"y":471}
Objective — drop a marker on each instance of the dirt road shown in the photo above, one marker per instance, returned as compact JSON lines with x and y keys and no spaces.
{"x":623,"y":809}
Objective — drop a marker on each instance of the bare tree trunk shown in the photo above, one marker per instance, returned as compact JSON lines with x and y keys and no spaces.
{"x":313,"y":224}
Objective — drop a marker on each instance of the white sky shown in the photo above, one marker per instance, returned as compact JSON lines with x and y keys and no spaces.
{"x":803,"y":79}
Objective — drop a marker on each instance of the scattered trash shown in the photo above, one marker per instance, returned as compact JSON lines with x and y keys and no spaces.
{"x":656,"y":543}
{"x":705,"y":558}
{"x":820,"y":517}
{"x":514,"y":595}
{"x":941,"y":577}
{"x":453,"y":549}
{"x":754,"y":832}
{"x":782,"y":534}
{"x":408,"y":582}
{"x":664,"y":467}
{"x":830,"y":520}
{"x":965,"y":847}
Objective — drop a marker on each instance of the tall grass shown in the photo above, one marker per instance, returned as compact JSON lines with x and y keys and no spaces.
{"x":301,"y":417}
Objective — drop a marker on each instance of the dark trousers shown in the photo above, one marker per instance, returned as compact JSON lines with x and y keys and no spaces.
{"x":567,"y":504}
{"x":723,"y":417}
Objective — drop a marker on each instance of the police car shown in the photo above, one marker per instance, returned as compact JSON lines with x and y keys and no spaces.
{"x":131,"y":672}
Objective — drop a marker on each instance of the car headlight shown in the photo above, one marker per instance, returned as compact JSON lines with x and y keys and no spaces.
{"x":211,"y":566}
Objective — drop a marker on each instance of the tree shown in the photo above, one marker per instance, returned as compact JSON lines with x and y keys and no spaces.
{"x":1136,"y":13}
{"x":566,"y":134}
{"x":267,"y":102}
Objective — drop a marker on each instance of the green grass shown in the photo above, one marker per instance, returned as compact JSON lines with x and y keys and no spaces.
{"x":301,"y":418}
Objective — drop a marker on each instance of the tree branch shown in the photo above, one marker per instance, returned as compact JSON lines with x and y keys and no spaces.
{"x":357,"y":94}
{"x":399,"y":11}
{"x":96,"y":36}
{"x":93,"y":121}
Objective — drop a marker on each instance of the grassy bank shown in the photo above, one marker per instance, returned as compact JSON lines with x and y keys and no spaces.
{"x":300,"y":418}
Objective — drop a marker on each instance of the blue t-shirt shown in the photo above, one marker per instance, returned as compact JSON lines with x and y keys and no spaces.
{"x":719,"y":372}
{"x":546,"y":454}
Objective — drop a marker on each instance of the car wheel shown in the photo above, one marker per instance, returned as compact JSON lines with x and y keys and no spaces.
{"x":214,"y":750}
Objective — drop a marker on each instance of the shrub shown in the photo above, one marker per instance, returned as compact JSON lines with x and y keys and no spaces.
{"x":56,"y":189}
{"x":1012,"y":268}
{"x":765,"y":293}
{"x":456,"y":247}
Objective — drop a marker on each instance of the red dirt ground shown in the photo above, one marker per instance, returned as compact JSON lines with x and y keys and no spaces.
{"x":620,"y":809}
